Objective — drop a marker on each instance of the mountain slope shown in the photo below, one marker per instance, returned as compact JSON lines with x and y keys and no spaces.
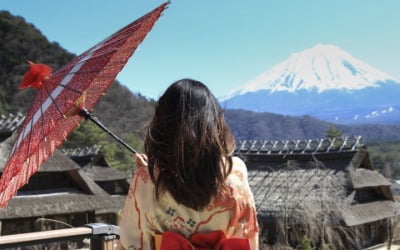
{"x":325,"y":82}
{"x":268,"y":126}
{"x":21,"y":41}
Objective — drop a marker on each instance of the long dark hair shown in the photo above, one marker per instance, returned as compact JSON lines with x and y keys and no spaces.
{"x":189,"y":145}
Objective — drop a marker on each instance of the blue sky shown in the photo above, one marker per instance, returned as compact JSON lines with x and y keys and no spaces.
{"x":219,"y":42}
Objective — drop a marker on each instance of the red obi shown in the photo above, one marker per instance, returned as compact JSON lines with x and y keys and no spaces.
{"x":200,"y":241}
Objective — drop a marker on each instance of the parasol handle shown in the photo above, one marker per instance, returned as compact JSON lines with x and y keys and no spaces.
{"x":87,"y":115}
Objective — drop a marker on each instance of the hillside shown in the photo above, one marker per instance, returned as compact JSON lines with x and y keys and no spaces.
{"x":20,"y":42}
{"x":269,"y":126}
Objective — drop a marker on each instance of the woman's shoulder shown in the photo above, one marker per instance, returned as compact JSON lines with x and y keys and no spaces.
{"x":237,"y":161}
{"x":141,"y":182}
{"x":238,"y":165}
{"x":142,"y":174}
{"x":238,"y":174}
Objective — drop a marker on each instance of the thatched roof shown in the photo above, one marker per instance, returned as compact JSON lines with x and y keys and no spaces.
{"x":32,"y":206}
{"x":86,"y":183}
{"x":9,"y":123}
{"x":86,"y":195}
{"x":113,"y":204}
{"x":295,"y":190}
{"x":395,"y":188}
{"x":362,"y":177}
{"x":86,"y":156}
{"x":5,"y":149}
{"x":104,"y":173}
{"x":58,"y":162}
{"x":305,"y":185}
{"x":53,"y":204}
{"x":94,"y":163}
{"x":368,"y":212}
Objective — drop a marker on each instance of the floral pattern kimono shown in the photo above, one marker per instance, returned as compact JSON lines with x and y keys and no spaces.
{"x":231,"y":211}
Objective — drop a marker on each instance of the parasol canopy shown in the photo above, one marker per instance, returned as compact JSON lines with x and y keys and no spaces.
{"x":63,"y":95}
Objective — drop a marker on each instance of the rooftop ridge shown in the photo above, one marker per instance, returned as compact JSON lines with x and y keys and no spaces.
{"x":82,"y":151}
{"x":305,"y":146}
{"x":10,"y":122}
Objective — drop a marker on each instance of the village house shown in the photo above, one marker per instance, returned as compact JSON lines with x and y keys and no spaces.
{"x":61,"y":194}
{"x":322,"y":191}
{"x":112,"y":181}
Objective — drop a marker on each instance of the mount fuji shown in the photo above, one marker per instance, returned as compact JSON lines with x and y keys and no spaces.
{"x":325,"y":82}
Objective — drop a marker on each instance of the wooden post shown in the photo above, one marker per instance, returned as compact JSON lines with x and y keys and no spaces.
{"x":44,"y":236}
{"x":103,"y":236}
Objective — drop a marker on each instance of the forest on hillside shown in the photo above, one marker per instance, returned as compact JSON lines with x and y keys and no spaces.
{"x":386,"y":158}
{"x":268,"y":126}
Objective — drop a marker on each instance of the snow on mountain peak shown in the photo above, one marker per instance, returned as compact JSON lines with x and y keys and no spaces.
{"x":322,"y":67}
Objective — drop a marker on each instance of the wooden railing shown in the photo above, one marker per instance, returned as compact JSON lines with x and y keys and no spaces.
{"x":102,"y":237}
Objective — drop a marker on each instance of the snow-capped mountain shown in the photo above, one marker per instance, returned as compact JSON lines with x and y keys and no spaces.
{"x":324,"y":81}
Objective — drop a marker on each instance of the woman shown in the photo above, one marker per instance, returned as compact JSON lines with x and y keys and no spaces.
{"x":188,"y":188}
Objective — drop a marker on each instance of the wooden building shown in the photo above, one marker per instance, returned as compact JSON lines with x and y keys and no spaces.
{"x":324,"y":191}
{"x":59,"y":195}
{"x":9,"y":123}
{"x":114,"y":182}
{"x":93,"y":162}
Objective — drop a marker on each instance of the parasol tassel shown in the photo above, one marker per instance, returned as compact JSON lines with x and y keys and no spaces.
{"x":35,"y":77}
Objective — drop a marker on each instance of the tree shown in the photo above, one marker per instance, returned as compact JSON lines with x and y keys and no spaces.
{"x":333,"y":132}
{"x":121,"y":158}
{"x":87,"y":134}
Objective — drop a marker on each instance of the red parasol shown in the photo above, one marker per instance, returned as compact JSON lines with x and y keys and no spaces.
{"x":63,"y":98}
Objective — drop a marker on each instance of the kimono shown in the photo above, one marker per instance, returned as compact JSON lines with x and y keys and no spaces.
{"x":231,"y":211}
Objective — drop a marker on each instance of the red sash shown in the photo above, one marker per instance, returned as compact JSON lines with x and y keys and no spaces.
{"x":202,"y":241}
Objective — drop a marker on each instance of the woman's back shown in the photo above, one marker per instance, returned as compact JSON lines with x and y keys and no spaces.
{"x":190,"y":183}
{"x":232,"y":211}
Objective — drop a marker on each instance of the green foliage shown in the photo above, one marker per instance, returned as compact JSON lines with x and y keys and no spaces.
{"x":386,"y":155}
{"x":305,"y":243}
{"x":333,"y":132}
{"x":86,"y":134}
{"x":326,"y":247}
{"x":121,"y":158}
{"x":20,"y":42}
{"x":248,"y":125}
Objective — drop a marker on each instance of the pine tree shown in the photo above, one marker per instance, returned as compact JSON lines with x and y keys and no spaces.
{"x":333,"y":132}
